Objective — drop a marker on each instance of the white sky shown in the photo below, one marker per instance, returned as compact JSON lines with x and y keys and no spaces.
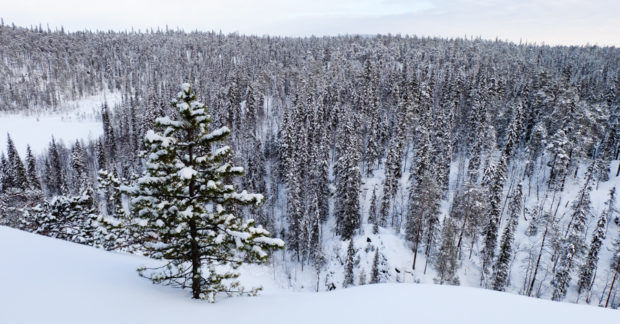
{"x":553,"y":22}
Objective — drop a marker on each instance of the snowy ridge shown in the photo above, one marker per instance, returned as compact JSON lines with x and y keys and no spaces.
{"x":70,"y":283}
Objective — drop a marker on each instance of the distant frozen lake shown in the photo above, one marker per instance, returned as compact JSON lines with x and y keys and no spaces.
{"x":73,"y":120}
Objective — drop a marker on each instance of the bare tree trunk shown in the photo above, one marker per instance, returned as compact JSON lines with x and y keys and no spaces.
{"x":600,"y":301}
{"x":195,"y":254}
{"x":612,"y":282}
{"x":528,"y":274}
{"x":318,"y":279}
{"x":542,"y":245}
{"x":460,"y":240}
{"x":415,"y":249}
{"x":499,"y":223}
{"x":589,"y":295}
{"x":471,"y":248}
{"x":428,"y":251}
{"x":193,"y":230}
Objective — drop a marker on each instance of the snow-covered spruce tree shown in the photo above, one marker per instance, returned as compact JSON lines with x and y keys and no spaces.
{"x":496,"y":179}
{"x":372,"y":144}
{"x":348,"y":179}
{"x":611,"y":206}
{"x":315,"y":248}
{"x":372,"y":212}
{"x":55,"y":171}
{"x":31,"y":165}
{"x":348,"y":266}
{"x":588,"y":268}
{"x":607,"y":150}
{"x":393,"y":163}
{"x":446,"y":258}
{"x":79,"y":169}
{"x":114,"y":224}
{"x":422,"y":217}
{"x":67,"y":218}
{"x":184,"y":207}
{"x":362,"y":278}
{"x":374,"y":273}
{"x":108,"y":130}
{"x":441,"y":137}
{"x":313,"y":238}
{"x":559,"y":148}
{"x":100,"y":154}
{"x":109,"y":185}
{"x":615,"y":268}
{"x":16,"y":169}
{"x":478,"y":123}
{"x":572,"y":245}
{"x":501,"y":268}
{"x":6,"y":177}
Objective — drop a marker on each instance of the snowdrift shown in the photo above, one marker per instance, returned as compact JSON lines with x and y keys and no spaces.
{"x":43,"y":280}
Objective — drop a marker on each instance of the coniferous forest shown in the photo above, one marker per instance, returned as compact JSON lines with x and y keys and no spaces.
{"x":492,"y":164}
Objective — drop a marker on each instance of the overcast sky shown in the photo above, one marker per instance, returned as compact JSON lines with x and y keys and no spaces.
{"x":553,"y":22}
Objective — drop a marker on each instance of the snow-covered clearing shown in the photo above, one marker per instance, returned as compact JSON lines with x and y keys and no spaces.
{"x":71,"y":121}
{"x":43,"y":280}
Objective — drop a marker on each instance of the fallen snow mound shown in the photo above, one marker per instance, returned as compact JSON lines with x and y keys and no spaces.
{"x":43,"y":280}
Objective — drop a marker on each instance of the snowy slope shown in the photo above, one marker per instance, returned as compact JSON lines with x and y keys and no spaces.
{"x":43,"y":280}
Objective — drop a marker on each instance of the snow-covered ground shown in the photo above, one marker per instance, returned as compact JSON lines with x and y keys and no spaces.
{"x":43,"y":280}
{"x":71,"y":121}
{"x":398,"y":255}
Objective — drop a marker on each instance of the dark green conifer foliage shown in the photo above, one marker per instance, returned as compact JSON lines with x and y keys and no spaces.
{"x":374,"y":273}
{"x":184,"y":205}
{"x":348,"y":266}
{"x":501,"y":268}
{"x":33,"y":177}
{"x":18,"y":176}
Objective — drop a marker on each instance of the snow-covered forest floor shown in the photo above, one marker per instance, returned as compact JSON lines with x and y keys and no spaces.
{"x":398,"y":256}
{"x":53,"y":281}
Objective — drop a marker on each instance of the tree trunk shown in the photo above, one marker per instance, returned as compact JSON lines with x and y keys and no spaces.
{"x":589,"y":294}
{"x":471,"y":248}
{"x":612,"y":282}
{"x":428,"y":252}
{"x":415,"y":250}
{"x":193,"y":230}
{"x":195,"y":254}
{"x":542,"y":245}
{"x":318,"y":278}
{"x":458,"y":244}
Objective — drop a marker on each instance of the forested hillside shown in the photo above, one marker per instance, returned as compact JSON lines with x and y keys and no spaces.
{"x":382,"y":158}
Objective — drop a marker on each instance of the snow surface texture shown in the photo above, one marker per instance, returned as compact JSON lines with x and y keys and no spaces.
{"x":70,"y":283}
{"x":71,"y":121}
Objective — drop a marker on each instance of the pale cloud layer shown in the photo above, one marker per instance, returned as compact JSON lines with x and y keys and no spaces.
{"x":553,"y":22}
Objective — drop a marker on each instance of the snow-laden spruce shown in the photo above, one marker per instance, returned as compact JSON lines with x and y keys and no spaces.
{"x":184,"y":206}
